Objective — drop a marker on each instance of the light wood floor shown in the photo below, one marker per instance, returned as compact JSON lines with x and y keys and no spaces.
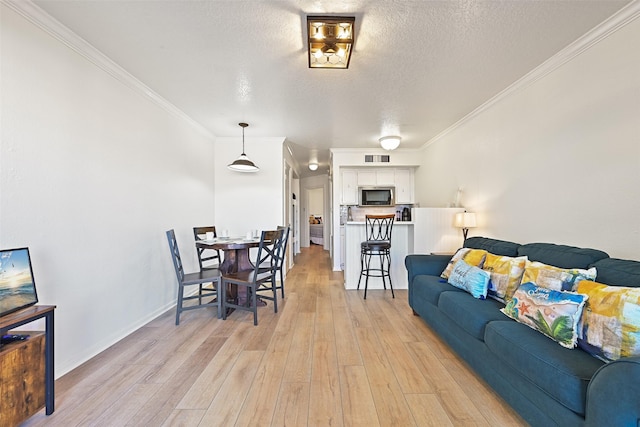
{"x":328,"y":358}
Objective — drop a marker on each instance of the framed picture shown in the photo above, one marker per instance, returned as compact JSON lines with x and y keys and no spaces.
{"x":17,"y":286}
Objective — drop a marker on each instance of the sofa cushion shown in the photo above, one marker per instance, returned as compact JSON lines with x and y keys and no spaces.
{"x":469,"y":313}
{"x":553,"y":313}
{"x":560,"y":255}
{"x":505,"y":275}
{"x":562,"y":373}
{"x":474,"y":257}
{"x":429,"y":288}
{"x":558,"y":279}
{"x":610,"y":324}
{"x":618,"y":272}
{"x":469,"y":278}
{"x":497,"y":247}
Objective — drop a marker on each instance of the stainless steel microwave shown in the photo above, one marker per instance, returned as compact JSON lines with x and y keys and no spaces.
{"x":376,"y":196}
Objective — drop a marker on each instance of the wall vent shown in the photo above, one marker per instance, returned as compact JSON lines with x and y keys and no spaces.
{"x":376,"y":158}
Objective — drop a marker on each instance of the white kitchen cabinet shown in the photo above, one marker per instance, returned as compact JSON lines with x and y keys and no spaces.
{"x":404,"y":186}
{"x":349,"y":184}
{"x":385,"y":177}
{"x":367,"y":178}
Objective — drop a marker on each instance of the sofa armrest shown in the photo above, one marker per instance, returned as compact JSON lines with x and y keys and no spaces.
{"x":432,"y":265}
{"x":613,"y":394}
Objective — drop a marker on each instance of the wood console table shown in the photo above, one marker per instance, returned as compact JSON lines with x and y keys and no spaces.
{"x":28,"y":315}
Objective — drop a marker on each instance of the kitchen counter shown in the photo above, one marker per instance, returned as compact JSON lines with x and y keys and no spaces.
{"x":401,"y":246}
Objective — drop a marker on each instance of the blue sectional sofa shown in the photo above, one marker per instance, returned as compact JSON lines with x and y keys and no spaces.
{"x":544,"y":382}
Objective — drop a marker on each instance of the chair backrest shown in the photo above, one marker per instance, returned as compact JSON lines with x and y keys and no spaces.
{"x":175,"y":255}
{"x":200,"y":233}
{"x":268,"y":249}
{"x":283,"y":246}
{"x":379,"y":227}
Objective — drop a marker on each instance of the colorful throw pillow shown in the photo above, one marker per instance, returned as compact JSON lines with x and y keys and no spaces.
{"x":506,"y":274}
{"x":558,"y":279}
{"x":554,"y":313}
{"x":469,"y":278}
{"x":473,"y":257}
{"x":610,"y":325}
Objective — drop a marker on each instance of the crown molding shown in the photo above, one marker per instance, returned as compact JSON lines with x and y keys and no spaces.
{"x":44,"y":21}
{"x":609,"y":26}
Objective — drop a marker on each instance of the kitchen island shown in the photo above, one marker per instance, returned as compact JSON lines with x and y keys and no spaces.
{"x":401,"y":246}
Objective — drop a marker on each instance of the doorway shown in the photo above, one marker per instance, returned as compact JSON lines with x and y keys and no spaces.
{"x":316,"y":216}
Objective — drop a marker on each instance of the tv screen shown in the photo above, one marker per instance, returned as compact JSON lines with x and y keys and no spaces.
{"x":17,"y":287}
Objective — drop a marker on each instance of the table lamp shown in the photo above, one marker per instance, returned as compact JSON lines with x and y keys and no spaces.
{"x":465,"y":220}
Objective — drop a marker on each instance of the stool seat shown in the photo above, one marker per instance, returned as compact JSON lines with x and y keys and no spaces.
{"x":377,"y":245}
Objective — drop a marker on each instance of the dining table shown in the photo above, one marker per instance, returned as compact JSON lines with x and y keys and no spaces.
{"x":236,"y":258}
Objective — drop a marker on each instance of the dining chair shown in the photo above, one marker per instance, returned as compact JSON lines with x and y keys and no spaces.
{"x":206,"y":257}
{"x":282,"y":255}
{"x":200,"y":278}
{"x":259,"y":281}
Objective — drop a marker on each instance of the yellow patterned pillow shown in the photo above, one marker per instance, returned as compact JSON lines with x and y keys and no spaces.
{"x":473,"y":257}
{"x":506,"y":274}
{"x":610,"y":324}
{"x":558,"y":279}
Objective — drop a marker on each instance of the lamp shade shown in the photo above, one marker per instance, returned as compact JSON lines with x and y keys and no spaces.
{"x":313,"y":166}
{"x":390,"y":142}
{"x":465,"y":220}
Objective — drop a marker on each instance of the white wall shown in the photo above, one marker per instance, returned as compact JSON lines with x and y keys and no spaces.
{"x":557,"y":160}
{"x":247,"y":201}
{"x":92,"y":174}
{"x":316,"y":201}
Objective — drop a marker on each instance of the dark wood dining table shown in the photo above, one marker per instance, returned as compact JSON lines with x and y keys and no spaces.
{"x":236,"y":257}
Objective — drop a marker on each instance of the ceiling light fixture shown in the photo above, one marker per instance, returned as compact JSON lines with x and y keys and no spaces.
{"x":330,"y":40}
{"x":313,"y":160}
{"x":242,"y":163}
{"x":390,"y":142}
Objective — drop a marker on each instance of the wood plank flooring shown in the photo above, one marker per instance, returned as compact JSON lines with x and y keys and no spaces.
{"x":328,"y":358}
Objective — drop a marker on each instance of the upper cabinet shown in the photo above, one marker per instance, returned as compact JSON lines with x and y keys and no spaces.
{"x":400,"y":178}
{"x":349,"y":182}
{"x":404,"y":186}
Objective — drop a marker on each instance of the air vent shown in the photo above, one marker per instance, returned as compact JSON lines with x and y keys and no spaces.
{"x":376,"y":158}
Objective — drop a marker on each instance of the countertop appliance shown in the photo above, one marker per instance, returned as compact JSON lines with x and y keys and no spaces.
{"x":376,"y":196}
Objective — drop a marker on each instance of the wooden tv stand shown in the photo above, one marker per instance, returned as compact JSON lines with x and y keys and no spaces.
{"x":34,"y":375}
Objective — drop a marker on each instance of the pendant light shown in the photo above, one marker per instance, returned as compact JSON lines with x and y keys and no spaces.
{"x":242,"y":163}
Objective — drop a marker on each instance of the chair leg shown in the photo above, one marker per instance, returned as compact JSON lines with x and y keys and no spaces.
{"x":254,"y":304}
{"x":223,"y":303}
{"x":366,"y":282}
{"x":382,"y":263}
{"x":275,"y":293}
{"x":282,"y":282}
{"x":389,"y":273}
{"x":361,"y":268}
{"x":219,"y":299}
{"x":179,"y":304}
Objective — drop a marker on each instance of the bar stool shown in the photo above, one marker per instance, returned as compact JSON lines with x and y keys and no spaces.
{"x":378,"y":243}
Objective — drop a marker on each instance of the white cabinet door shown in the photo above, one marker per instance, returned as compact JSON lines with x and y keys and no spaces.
{"x":366,"y":178}
{"x":385,"y":177}
{"x":349,"y":182}
{"x":404,"y":186}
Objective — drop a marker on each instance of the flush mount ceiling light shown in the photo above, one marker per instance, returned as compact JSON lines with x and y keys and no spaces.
{"x":390,"y":142}
{"x":330,"y":39}
{"x":313,"y":160}
{"x":242,"y":163}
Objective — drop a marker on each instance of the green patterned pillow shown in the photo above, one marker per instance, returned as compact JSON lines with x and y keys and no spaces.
{"x":554,"y":313}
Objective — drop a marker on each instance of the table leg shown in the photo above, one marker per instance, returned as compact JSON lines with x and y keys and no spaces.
{"x":48,"y":367}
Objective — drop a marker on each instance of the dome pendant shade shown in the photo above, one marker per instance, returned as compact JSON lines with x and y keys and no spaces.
{"x":242,"y":163}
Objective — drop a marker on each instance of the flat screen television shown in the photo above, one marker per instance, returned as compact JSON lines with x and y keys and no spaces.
{"x":17,"y":287}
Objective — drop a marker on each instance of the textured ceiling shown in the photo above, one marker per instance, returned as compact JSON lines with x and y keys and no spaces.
{"x":417,"y":66}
